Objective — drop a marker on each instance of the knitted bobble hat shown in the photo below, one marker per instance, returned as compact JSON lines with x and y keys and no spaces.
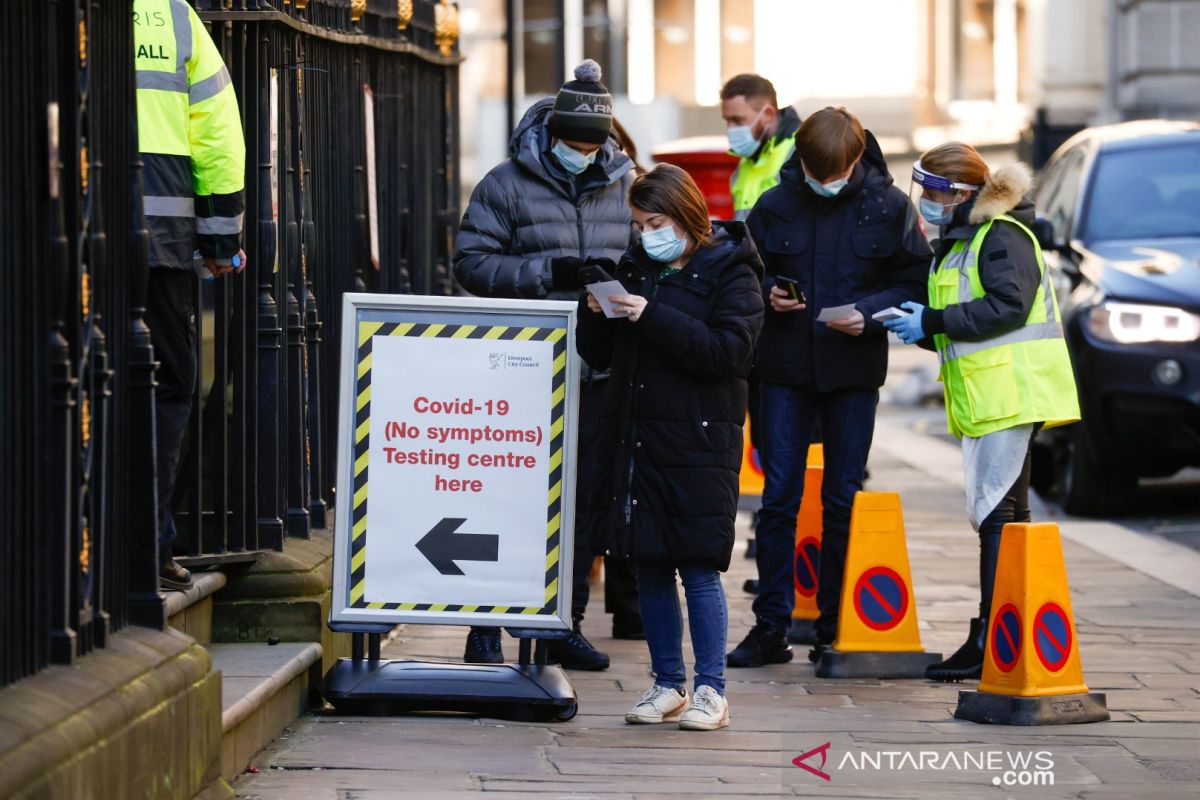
{"x":583,"y":108}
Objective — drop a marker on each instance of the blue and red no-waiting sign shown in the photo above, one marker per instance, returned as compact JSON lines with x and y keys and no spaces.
{"x":804,"y":571}
{"x":1006,"y":637}
{"x":1052,"y":636}
{"x":880,"y":598}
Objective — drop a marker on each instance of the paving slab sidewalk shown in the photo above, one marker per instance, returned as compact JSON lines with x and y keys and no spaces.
{"x":1140,"y":643}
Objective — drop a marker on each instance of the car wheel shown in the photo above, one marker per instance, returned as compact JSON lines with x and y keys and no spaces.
{"x":1086,"y":488}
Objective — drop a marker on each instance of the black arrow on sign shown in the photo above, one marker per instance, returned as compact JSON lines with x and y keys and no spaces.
{"x":442,"y":546}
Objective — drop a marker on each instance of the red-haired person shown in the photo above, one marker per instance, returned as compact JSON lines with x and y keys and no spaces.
{"x":670,"y":443}
{"x":994,"y":321}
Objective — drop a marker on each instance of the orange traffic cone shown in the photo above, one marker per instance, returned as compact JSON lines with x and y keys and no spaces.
{"x":750,"y":479}
{"x":808,"y":551}
{"x":877,"y":623}
{"x":1032,"y":674}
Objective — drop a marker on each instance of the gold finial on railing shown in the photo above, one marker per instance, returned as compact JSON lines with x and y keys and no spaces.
{"x":445,"y":26}
{"x":357,"y":9}
{"x":404,"y":13}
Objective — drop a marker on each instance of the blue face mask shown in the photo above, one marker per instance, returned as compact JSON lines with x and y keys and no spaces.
{"x":741,"y":138}
{"x":936,"y":213}
{"x":571,"y":159}
{"x":662,"y":244}
{"x":830,"y":189}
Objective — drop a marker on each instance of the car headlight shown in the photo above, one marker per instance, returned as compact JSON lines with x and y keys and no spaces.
{"x":1129,"y":323}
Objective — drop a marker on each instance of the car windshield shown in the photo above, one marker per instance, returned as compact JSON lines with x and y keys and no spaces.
{"x":1146,"y":194}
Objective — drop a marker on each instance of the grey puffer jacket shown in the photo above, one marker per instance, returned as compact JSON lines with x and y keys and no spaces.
{"x":528,"y":210}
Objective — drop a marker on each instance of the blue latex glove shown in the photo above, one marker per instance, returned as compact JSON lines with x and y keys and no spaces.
{"x":908,"y":328}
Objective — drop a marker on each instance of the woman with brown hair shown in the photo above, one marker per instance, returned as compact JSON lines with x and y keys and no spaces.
{"x":994,"y":321}
{"x":670,"y":440}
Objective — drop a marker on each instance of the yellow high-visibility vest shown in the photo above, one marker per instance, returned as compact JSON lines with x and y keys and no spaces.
{"x":755,"y":175}
{"x":189,"y":135}
{"x":1007,"y":380}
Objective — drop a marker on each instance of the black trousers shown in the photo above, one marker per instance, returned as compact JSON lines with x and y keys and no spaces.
{"x":171,"y":316}
{"x":1013,"y":507}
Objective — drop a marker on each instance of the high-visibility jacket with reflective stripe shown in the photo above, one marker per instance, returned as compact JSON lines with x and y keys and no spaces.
{"x":1013,"y":378}
{"x":755,"y":175}
{"x":189,"y":135}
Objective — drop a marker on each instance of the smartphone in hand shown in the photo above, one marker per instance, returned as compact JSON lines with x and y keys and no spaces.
{"x":593,"y":273}
{"x":793,"y":288}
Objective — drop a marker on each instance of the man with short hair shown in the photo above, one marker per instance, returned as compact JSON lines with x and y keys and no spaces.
{"x":845,"y":236}
{"x":760,"y":134}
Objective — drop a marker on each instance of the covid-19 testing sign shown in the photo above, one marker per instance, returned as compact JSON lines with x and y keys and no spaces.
{"x":456,"y":448}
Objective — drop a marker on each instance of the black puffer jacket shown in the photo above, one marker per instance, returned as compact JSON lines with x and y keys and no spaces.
{"x":528,"y":210}
{"x":861,"y":247}
{"x":670,"y":442}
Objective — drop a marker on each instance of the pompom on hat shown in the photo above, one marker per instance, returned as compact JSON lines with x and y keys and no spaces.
{"x":583,"y":108}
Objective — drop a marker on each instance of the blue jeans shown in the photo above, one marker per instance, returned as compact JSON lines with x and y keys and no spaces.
{"x":789,"y":415}
{"x":708,"y":619}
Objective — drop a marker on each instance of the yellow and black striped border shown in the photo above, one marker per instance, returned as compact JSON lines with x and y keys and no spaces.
{"x":367,"y":331}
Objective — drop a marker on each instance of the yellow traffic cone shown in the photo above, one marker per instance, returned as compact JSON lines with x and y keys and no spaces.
{"x":877,"y":621}
{"x":1032,"y":674}
{"x":807,"y":556}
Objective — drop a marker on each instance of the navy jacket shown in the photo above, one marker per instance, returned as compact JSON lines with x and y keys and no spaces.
{"x":861,"y":247}
{"x":669,"y":447}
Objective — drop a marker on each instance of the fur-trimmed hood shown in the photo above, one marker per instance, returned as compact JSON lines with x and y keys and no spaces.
{"x":1004,"y":191}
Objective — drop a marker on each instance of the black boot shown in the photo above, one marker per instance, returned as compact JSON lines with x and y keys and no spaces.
{"x":761,"y":646}
{"x":483,"y":646}
{"x":967,"y":661}
{"x":576,"y":652}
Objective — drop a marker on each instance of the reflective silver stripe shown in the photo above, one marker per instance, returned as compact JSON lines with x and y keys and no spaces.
{"x":1028,"y":333}
{"x":170,"y":206}
{"x":741,"y":214}
{"x":164,"y":81}
{"x":183,"y":34}
{"x":219,"y":225}
{"x":209,"y":87}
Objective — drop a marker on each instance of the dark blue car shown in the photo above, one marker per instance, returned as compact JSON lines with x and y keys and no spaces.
{"x":1122,"y":211}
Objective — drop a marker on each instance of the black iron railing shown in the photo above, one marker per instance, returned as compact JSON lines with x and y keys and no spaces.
{"x":78,"y":528}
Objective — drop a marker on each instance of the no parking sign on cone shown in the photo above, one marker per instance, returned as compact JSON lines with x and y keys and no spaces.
{"x":1032,"y":674}
{"x":807,"y":556}
{"x":877,"y":621}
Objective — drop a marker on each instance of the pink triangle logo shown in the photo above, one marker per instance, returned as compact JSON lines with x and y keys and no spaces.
{"x":823,"y":751}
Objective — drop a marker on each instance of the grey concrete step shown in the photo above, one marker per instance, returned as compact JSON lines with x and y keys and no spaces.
{"x":264,"y":688}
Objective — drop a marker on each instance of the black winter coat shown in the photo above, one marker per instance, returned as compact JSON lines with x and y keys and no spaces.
{"x":528,"y":210}
{"x":670,"y":443}
{"x":861,"y":247}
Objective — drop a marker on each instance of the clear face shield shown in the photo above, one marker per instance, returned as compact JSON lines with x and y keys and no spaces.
{"x":935,"y":196}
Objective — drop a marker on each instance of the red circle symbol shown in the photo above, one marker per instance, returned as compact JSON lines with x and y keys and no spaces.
{"x":1005,"y":637}
{"x":1052,"y":636}
{"x":804,"y":566}
{"x":880,"y":598}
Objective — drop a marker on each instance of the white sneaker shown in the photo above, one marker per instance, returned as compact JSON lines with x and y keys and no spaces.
{"x":658,"y":704}
{"x":708,"y":711}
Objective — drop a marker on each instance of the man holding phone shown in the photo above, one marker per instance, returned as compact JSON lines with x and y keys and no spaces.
{"x":835,"y":234}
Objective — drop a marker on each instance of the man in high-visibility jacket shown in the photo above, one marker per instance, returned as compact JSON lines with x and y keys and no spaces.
{"x":191,"y":143}
{"x":760,"y":134}
{"x":764,"y":138}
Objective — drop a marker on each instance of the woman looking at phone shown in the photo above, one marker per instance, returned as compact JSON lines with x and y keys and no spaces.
{"x":670,"y":438}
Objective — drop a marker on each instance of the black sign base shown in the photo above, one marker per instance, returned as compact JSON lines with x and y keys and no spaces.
{"x":1001,"y":709}
{"x":802,"y":631}
{"x":873,"y":664}
{"x":506,"y":691}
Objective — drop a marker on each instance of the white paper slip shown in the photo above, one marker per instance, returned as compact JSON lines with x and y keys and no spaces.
{"x":890,"y":314}
{"x":603,"y":292}
{"x":835,"y":313}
